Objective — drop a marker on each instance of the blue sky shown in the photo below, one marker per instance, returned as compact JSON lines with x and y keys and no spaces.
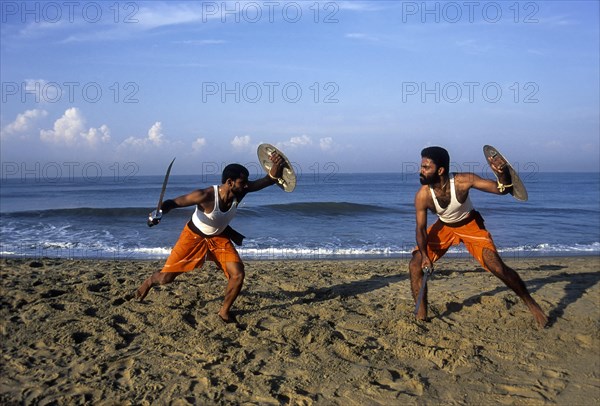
{"x":361,"y":85}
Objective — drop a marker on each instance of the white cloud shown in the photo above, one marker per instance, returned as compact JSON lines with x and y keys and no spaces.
{"x":70,"y":130}
{"x":240,"y":143}
{"x":199,"y":144}
{"x":149,"y":16}
{"x":97,"y":134}
{"x":326,"y":143}
{"x":152,"y":16}
{"x":23,"y":122}
{"x":296,"y":142}
{"x":301,"y":141}
{"x":155,"y":134}
{"x":145,"y":17}
{"x":155,"y":138}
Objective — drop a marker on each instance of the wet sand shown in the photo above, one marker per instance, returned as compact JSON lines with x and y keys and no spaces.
{"x":308,"y":332}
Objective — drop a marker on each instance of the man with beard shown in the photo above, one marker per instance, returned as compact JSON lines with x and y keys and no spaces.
{"x":208,"y":235}
{"x":447,"y":195}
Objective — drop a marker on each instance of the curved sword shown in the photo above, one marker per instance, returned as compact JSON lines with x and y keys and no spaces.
{"x":157,"y":213}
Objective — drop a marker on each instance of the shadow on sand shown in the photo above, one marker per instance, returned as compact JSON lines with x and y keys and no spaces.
{"x":576,"y":286}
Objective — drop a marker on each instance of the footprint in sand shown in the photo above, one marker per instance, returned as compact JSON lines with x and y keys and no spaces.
{"x":52,"y":293}
{"x":80,"y":336}
{"x":99,"y":287}
{"x":400,"y":381}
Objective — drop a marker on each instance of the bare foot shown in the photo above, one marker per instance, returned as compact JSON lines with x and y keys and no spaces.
{"x":540,"y":318}
{"x":422,"y":314}
{"x":538,"y":314}
{"x":226,"y":318}
{"x":143,"y":290}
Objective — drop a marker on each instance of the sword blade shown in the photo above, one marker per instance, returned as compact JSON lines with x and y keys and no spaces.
{"x":421,"y":292}
{"x":164,"y":186}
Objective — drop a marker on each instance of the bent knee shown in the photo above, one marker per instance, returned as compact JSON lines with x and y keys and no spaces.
{"x":416,"y":260}
{"x":236,"y":270}
{"x":491,"y":257}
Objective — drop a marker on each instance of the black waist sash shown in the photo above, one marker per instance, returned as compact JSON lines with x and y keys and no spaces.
{"x":229,"y":232}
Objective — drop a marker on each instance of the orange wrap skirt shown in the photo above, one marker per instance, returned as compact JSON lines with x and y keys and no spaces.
{"x":192,"y":250}
{"x":441,"y":236}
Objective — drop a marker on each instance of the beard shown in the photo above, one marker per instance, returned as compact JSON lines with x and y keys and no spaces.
{"x":238,"y":193}
{"x":429,"y":180}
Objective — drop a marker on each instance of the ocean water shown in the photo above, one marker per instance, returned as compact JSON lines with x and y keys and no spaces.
{"x":367,"y":215}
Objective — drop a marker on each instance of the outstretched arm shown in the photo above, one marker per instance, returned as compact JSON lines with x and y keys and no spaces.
{"x":191,"y":199}
{"x":194,"y":198}
{"x":488,"y":185}
{"x":500,"y":187}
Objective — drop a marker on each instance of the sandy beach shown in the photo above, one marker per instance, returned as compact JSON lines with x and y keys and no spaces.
{"x":308,"y":332}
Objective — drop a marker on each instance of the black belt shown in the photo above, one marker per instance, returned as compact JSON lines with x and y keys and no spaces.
{"x":229,"y":232}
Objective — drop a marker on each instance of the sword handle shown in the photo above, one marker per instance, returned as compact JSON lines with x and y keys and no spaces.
{"x":154,"y":217}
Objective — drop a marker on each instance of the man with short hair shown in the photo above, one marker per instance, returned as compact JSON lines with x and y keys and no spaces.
{"x":208,"y":235}
{"x":447,"y":195}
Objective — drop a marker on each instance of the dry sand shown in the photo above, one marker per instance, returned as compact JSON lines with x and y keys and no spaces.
{"x":312,"y":332}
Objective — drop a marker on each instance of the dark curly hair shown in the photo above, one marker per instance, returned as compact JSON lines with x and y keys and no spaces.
{"x":438,"y":155}
{"x":233,"y":172}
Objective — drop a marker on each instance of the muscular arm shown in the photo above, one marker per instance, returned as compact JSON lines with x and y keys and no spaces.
{"x":466,"y":181}
{"x":197,"y":197}
{"x":498,"y":165}
{"x":256,"y":185}
{"x":421,"y":206}
{"x":270,"y":179}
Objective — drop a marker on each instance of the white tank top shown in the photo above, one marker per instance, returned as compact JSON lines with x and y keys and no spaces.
{"x":455,"y":211}
{"x":216,"y":221}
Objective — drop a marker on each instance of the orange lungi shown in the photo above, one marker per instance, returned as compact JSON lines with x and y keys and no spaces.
{"x":441,"y":236}
{"x":191,"y":251}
